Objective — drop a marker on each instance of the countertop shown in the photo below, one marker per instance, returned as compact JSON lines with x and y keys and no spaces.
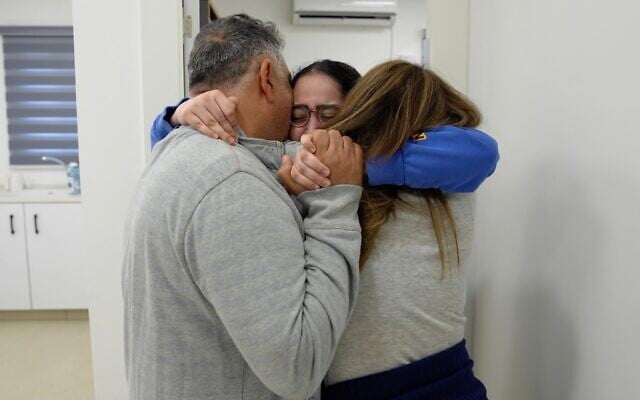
{"x":39,"y":196}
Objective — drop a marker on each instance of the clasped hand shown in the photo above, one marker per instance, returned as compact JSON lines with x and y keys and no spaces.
{"x":326,"y":158}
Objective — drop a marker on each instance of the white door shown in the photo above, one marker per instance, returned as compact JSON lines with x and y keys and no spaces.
{"x":14,"y":270}
{"x":58,"y":280}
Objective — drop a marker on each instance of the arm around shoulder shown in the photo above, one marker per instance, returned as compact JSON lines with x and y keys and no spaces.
{"x":448,"y":158}
{"x":162,"y":125}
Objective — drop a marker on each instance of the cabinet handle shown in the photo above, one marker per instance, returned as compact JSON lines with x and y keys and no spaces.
{"x":35,"y":223}
{"x":13,"y":231}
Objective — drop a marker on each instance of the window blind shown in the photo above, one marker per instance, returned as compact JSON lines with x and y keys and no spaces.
{"x":41,"y":96}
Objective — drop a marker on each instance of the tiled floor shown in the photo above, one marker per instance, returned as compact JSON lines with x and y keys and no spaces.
{"x":45,"y":355}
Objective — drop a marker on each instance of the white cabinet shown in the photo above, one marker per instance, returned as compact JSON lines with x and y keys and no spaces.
{"x":14,"y":270}
{"x":53,"y":239}
{"x":49,"y":258}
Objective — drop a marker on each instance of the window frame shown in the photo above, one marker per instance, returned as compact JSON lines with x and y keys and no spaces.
{"x":5,"y":136}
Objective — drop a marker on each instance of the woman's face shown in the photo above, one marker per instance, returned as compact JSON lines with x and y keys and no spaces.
{"x":317,"y":92}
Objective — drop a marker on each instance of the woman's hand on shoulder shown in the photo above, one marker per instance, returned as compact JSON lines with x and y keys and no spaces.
{"x":211,"y":113}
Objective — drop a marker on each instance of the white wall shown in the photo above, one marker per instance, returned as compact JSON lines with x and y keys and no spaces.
{"x":35,"y":13}
{"x":126,"y":70}
{"x":557,"y":241}
{"x":408,"y":30}
{"x":448,"y":34}
{"x":362,"y":47}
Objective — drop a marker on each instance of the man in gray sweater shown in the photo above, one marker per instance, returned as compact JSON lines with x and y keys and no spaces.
{"x":231,"y":291}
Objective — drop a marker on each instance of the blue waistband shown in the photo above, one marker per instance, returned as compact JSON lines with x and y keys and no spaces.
{"x":446,"y":375}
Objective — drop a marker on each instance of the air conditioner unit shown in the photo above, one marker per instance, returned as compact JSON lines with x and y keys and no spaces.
{"x":345,"y":12}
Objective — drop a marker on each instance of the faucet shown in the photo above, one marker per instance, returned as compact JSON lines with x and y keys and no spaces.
{"x":72,"y":170}
{"x":55,"y":160}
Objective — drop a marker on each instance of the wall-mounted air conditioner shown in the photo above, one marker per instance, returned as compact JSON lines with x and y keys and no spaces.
{"x":345,"y":12}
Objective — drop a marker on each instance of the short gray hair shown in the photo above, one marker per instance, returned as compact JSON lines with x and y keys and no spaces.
{"x":225,"y":48}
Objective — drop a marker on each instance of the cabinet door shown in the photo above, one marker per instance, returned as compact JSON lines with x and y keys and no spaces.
{"x":53,"y":236}
{"x":14,"y":270}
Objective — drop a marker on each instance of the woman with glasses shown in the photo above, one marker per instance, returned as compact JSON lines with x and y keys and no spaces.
{"x":319,"y":90}
{"x":452,"y":159}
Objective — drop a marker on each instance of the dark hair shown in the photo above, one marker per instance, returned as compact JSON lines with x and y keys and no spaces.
{"x":225,"y":48}
{"x":343,"y":73}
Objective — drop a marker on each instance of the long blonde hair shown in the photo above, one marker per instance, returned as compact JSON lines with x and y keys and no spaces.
{"x":391,"y":104}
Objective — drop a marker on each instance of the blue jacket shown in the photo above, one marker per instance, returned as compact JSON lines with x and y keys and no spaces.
{"x":448,"y":158}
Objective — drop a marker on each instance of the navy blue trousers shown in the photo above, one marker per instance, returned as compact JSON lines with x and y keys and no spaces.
{"x":446,"y":375}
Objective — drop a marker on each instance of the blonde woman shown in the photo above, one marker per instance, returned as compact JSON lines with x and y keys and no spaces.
{"x":404,"y":339}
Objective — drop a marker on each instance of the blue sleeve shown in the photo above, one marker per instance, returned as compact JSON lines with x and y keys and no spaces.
{"x":448,"y":158}
{"x":162,"y":124}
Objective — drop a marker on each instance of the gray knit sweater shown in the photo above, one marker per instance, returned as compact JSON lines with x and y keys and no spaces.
{"x":229,"y":292}
{"x":407,"y":308}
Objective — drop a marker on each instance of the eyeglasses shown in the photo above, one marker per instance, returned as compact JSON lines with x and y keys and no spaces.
{"x":300,"y":114}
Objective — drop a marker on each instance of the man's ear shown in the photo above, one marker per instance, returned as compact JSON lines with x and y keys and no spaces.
{"x":266,"y":79}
